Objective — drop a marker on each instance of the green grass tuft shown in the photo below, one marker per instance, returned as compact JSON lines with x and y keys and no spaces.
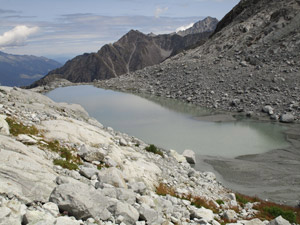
{"x":16,"y":127}
{"x":275,"y":211}
{"x":65,"y":164}
{"x":220,"y":201}
{"x":154,"y":149}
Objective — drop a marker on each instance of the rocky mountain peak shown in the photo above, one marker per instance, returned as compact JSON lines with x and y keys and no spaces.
{"x":131,"y":52}
{"x":206,"y":25}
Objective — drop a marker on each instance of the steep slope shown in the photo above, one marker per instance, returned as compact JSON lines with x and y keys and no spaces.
{"x":21,"y":70}
{"x":251,"y":61}
{"x":249,"y":66}
{"x":133,"y":51}
{"x":207,"y":25}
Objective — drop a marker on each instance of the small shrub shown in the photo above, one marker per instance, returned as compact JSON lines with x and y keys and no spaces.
{"x":202,"y":202}
{"x":241,"y":199}
{"x":102,"y":165}
{"x":199,"y":202}
{"x":244,"y":199}
{"x":164,"y":190}
{"x":54,"y":146}
{"x":275,"y":211}
{"x":220,"y":201}
{"x":154,"y":149}
{"x":65,"y":164}
{"x":16,"y":127}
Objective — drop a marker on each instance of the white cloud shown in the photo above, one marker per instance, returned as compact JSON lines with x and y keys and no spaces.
{"x":182,"y":28}
{"x":17,"y":36}
{"x":159,"y":11}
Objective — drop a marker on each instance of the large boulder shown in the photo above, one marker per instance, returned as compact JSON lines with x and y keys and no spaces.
{"x":24,"y":171}
{"x":91,"y":154}
{"x":190,"y":156}
{"x":82,"y":201}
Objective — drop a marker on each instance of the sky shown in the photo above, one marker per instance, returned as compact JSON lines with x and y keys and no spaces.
{"x":66,"y":28}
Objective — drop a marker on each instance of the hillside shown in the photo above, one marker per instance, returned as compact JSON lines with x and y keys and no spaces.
{"x":22,"y":70}
{"x":131,"y":52}
{"x":251,"y":62}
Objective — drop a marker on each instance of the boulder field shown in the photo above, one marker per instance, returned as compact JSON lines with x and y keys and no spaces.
{"x":60,"y":166}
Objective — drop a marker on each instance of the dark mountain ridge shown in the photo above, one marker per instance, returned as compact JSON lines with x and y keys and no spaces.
{"x":131,"y":52}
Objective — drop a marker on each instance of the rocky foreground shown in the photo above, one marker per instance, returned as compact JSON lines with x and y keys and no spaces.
{"x":59,"y":166}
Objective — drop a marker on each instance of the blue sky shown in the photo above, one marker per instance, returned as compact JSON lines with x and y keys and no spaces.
{"x":71,"y":27}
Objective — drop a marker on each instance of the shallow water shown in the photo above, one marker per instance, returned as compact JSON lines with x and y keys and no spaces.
{"x":171,"y":124}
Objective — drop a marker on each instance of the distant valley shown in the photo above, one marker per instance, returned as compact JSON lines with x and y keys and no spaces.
{"x":22,"y":70}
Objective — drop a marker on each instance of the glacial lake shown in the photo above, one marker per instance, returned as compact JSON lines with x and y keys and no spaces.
{"x":171,"y":124}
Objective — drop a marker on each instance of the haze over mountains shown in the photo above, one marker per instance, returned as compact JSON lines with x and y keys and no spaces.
{"x":22,"y":70}
{"x":131,"y":52}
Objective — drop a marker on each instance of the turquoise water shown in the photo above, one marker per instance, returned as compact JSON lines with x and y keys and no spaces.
{"x":171,"y":124}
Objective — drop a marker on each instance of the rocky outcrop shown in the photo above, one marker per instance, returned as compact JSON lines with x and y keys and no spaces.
{"x":78,"y":172}
{"x":208,"y":24}
{"x":23,"y":70}
{"x":131,"y":52}
{"x":251,"y":61}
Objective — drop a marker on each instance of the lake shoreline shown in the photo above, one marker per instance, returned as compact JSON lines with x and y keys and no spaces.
{"x":243,"y":174}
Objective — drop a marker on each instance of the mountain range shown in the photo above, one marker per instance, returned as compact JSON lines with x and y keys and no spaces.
{"x":22,"y":70}
{"x":131,"y":52}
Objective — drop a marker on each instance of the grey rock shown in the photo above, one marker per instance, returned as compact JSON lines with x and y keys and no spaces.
{"x":64,"y":220}
{"x":122,"y":142}
{"x":52,"y":208}
{"x":4,"y":212}
{"x":81,"y":201}
{"x":255,"y":221}
{"x":26,"y":139}
{"x":36,"y":216}
{"x":126,"y":195}
{"x":88,"y":172}
{"x":279,"y":221}
{"x":190,"y":156}
{"x":151,"y":216}
{"x":129,"y":213}
{"x":202,"y":213}
{"x":230,"y":215}
{"x":91,"y":154}
{"x":138,"y":187}
{"x":287,"y":118}
{"x":268,"y":109}
{"x":112,"y":176}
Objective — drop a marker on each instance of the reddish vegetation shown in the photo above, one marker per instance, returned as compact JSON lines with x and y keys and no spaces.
{"x":267,"y":210}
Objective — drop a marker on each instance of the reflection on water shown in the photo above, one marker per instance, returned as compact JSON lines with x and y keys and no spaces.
{"x":171,"y":129}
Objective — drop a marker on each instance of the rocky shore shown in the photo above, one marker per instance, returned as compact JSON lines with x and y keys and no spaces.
{"x":220,"y":84}
{"x":59,"y":166}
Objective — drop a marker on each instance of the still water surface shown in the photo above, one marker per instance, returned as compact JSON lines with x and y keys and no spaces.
{"x":171,"y":124}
